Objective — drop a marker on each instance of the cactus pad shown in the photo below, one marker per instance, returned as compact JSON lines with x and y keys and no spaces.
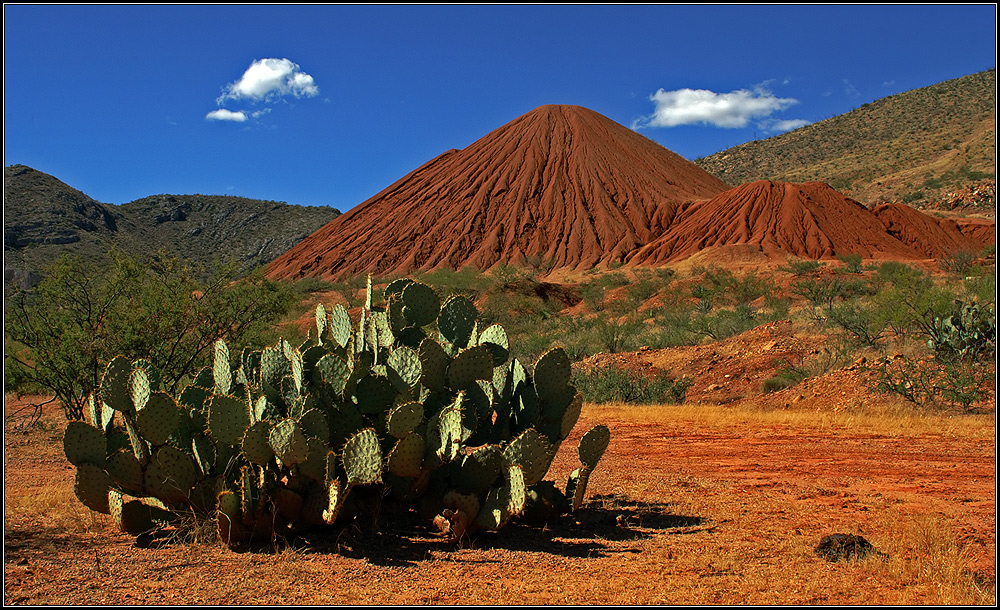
{"x":84,"y":444}
{"x":228,"y":419}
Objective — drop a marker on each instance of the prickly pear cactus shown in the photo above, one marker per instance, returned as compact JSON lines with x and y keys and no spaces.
{"x":969,"y":334}
{"x":411,"y":405}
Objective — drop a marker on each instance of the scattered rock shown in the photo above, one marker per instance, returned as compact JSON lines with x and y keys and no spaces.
{"x":837,"y":547}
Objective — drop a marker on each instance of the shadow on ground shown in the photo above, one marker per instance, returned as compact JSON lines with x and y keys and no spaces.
{"x":593,"y":531}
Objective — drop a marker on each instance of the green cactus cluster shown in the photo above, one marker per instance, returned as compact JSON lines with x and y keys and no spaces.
{"x":413,"y":403}
{"x":970,"y":333}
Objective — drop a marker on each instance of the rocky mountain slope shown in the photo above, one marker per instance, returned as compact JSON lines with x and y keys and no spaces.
{"x":44,"y":217}
{"x":924,"y":147}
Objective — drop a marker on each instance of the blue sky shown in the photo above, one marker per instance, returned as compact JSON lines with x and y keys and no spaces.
{"x":327,"y":105}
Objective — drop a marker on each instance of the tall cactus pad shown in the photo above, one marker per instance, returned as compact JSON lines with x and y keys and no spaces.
{"x":115,"y":385}
{"x":552,"y":373}
{"x":229,"y":519}
{"x":158,"y":420}
{"x":457,"y":321}
{"x":469,"y":366}
{"x":288,"y":442}
{"x":533,"y":453}
{"x":403,"y":368}
{"x":406,"y":457}
{"x":363,"y":458}
{"x":495,"y":338}
{"x":221,"y":371}
{"x":593,"y":444}
{"x":576,"y":487}
{"x":255,"y":444}
{"x":405,"y":418}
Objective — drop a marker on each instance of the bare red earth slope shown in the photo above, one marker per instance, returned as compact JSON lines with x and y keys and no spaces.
{"x":562,"y":182}
{"x":932,"y":237}
{"x":808,"y":220}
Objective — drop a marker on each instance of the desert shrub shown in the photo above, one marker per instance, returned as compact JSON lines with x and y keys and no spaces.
{"x":907,"y":300}
{"x":981,"y":288}
{"x":852,"y":262}
{"x":350,"y":289}
{"x":467,"y":281}
{"x":311,"y":285}
{"x":61,"y":333}
{"x":786,"y":376}
{"x":672,"y":327}
{"x":959,"y":262}
{"x":861,"y":321}
{"x":800,"y":266}
{"x":618,"y":334}
{"x":615,"y":384}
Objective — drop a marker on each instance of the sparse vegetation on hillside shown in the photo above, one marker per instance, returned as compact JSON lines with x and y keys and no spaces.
{"x":45,"y":218}
{"x":914,"y":147}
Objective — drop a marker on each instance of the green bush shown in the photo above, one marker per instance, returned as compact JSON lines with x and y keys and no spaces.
{"x":800,"y":266}
{"x":615,"y":384}
{"x":852,"y":262}
{"x":59,"y":334}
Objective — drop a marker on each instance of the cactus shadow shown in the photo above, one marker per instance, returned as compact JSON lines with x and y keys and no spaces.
{"x":592,"y":530}
{"x":595,"y":530}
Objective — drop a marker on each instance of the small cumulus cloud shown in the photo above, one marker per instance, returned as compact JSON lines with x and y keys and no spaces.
{"x":270,"y":79}
{"x":265,"y":81}
{"x":226,"y":115}
{"x":701,"y":106}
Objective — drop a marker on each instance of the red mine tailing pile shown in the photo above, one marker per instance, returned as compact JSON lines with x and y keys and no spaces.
{"x":928,"y":236}
{"x":983,"y":231}
{"x":808,"y":220}
{"x":561,"y":182}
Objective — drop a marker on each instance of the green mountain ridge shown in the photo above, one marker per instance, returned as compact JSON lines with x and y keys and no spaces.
{"x":917,"y":147}
{"x":44,"y":218}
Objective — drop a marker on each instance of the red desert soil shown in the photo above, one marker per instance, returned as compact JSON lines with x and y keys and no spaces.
{"x":562,"y":182}
{"x":807,"y":220}
{"x":693,"y":504}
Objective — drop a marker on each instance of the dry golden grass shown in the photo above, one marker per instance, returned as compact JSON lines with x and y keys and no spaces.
{"x":884,"y":417}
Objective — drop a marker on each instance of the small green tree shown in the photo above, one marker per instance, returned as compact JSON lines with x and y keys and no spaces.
{"x":60,"y":334}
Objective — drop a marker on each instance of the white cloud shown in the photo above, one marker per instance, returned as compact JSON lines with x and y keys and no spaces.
{"x":701,"y":106}
{"x":269,"y":79}
{"x":226,"y":115}
{"x":784,"y":125}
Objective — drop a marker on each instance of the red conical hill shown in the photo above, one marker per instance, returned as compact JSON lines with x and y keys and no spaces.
{"x":809,"y":220}
{"x":561,"y":182}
